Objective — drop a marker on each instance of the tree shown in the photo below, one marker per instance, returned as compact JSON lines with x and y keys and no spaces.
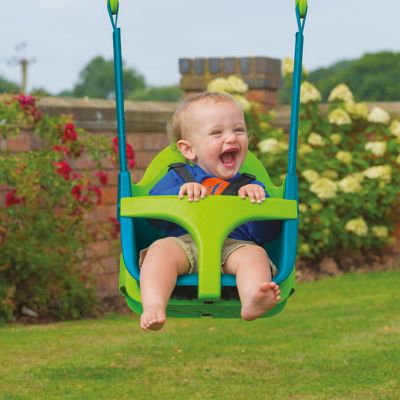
{"x":97,"y":80}
{"x":373,"y":77}
{"x":160,"y":93}
{"x":7,"y":86}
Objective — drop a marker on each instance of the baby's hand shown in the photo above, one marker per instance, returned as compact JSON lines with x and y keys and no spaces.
{"x":255,"y":192}
{"x":194,"y":190}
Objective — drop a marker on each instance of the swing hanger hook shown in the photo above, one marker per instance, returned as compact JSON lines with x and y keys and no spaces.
{"x":301,"y":13}
{"x":113,"y":7}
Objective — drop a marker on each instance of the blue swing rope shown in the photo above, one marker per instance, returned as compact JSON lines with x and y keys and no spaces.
{"x":287,"y":250}
{"x":124,"y":177}
{"x":294,"y":116}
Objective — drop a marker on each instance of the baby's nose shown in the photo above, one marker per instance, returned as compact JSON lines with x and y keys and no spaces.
{"x":230,"y":137}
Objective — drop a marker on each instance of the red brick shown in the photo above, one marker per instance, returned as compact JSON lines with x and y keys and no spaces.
{"x":97,"y":249}
{"x":112,"y":177}
{"x":109,"y":195}
{"x":107,"y":285}
{"x":137,"y":175}
{"x":84,"y":163}
{"x":148,"y":141}
{"x":143,"y":158}
{"x":265,"y":97}
{"x":19,"y":143}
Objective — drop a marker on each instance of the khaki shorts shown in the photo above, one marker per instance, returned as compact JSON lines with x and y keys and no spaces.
{"x":189,"y":247}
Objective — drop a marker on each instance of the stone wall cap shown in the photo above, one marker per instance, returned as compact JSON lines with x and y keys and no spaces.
{"x":89,"y":103}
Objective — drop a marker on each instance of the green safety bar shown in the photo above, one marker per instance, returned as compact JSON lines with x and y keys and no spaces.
{"x":207,"y":225}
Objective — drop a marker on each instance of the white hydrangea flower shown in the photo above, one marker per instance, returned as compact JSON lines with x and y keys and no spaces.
{"x":305,"y":149}
{"x":336,"y":138}
{"x":220,"y":85}
{"x":380,"y":231}
{"x":330,"y":174}
{"x":357,"y":176}
{"x":341,"y":92}
{"x":237,"y":85}
{"x":305,"y":248}
{"x":303,"y":207}
{"x":287,"y":66}
{"x":357,"y":226}
{"x":264,"y":125}
{"x":378,"y":116}
{"x":316,"y":206}
{"x":339,"y":117}
{"x":324,"y":188}
{"x":242,"y":101}
{"x":395,"y":128}
{"x":344,"y":156}
{"x":315,"y":139}
{"x":271,"y":145}
{"x":310,"y":175}
{"x":376,"y":148}
{"x":357,"y":110}
{"x":349,"y":184}
{"x":309,"y":93}
{"x":383,"y":172}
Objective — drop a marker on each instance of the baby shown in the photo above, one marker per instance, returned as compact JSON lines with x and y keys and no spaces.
{"x":210,"y":131}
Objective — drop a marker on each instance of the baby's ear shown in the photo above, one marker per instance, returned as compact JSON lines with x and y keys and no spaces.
{"x":186,"y":149}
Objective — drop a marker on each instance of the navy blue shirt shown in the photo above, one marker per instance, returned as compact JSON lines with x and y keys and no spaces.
{"x":170,"y":184}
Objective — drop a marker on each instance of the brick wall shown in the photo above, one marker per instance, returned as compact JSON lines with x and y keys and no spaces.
{"x":145,"y":127}
{"x":262,"y":74}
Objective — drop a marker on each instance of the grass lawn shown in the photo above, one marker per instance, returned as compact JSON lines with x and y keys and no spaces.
{"x":338,"y":338}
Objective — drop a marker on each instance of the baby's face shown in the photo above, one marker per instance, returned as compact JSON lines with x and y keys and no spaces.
{"x":216,"y":135}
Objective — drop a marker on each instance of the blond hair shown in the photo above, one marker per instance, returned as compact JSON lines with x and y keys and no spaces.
{"x":174,"y":126}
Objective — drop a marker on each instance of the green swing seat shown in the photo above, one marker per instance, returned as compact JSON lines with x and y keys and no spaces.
{"x":209,"y":221}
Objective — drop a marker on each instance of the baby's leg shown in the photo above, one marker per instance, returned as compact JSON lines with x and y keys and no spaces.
{"x":164,"y":261}
{"x":251,"y":266}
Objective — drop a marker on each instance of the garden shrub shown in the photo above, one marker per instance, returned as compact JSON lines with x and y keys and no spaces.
{"x":44,"y":231}
{"x":348,"y":167}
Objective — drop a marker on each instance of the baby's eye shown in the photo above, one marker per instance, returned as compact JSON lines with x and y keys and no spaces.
{"x":217,"y":132}
{"x":240,"y":130}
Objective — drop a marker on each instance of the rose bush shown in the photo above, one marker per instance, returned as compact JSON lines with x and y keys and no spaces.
{"x":348,"y":168}
{"x":44,"y":230}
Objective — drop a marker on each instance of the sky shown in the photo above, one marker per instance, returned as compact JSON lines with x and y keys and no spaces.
{"x":62,"y":36}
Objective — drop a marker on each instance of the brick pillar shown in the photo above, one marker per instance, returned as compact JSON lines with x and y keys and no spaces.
{"x":262,"y":74}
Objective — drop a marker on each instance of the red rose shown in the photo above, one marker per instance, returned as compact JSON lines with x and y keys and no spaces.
{"x":76,"y":191}
{"x":63,"y":169}
{"x":96,"y":190}
{"x":115,"y":227}
{"x":69,"y":133}
{"x":12,"y":198}
{"x":103,"y":177}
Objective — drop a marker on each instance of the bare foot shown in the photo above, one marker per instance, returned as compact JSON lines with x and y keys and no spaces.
{"x":153,"y":319}
{"x":260,"y":300}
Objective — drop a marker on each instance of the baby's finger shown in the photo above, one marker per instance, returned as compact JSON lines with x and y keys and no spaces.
{"x":203,"y":192}
{"x":182,"y":191}
{"x":242,"y":193}
{"x":251,"y":194}
{"x":190,"y":192}
{"x":260,"y":194}
{"x":196,"y":192}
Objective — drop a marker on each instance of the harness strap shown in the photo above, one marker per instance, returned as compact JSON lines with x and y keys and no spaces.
{"x":234,"y":186}
{"x":231,"y":190}
{"x":180,"y":169}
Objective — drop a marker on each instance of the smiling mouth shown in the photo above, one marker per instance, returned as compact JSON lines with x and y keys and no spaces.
{"x":229,"y":157}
